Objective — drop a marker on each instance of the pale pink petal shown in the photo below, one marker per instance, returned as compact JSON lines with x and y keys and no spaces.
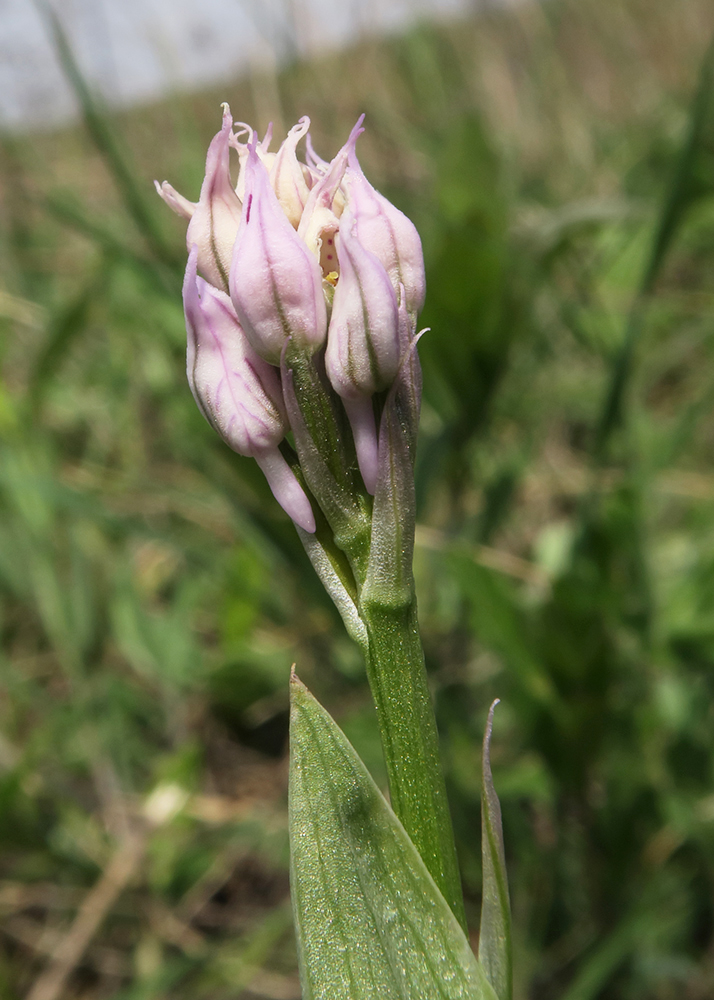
{"x":275,"y":282}
{"x":320,"y":217}
{"x":363,"y":347}
{"x":176,"y":202}
{"x":388,"y":233}
{"x":287,"y":177}
{"x":286,"y":489}
{"x":237,"y":392}
{"x":214,"y":225}
{"x":360,"y":413}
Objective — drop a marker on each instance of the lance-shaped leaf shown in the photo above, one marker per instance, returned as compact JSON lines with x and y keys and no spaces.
{"x":494,"y":949}
{"x":370,"y":921}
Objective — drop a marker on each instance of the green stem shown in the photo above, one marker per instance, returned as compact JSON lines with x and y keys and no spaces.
{"x":410,"y":741}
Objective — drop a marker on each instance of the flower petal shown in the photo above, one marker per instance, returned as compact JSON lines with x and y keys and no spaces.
{"x":388,"y":234}
{"x":176,"y":202}
{"x":320,"y":217}
{"x":275,"y":282}
{"x":237,"y":392}
{"x":287,"y":176}
{"x":363,"y":346}
{"x":215,"y":222}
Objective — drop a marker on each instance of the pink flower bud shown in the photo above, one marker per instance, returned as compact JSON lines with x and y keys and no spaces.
{"x":237,"y":392}
{"x":213,"y":221}
{"x":214,"y":224}
{"x":275,"y":282}
{"x":363,"y":341}
{"x":362,"y":354}
{"x":388,"y":234}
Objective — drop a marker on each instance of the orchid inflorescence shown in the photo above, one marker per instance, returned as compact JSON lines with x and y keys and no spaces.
{"x":298,"y":263}
{"x":301,"y":295}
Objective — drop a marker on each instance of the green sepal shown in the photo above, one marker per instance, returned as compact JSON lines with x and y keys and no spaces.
{"x":495,"y":949}
{"x":369,"y":919}
{"x":389,"y":579}
{"x":336,"y":586}
{"x":320,"y":442}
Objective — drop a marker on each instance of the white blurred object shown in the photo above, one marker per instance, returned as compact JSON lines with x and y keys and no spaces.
{"x":137,"y":50}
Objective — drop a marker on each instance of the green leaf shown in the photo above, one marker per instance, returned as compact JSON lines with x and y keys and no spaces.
{"x":369,"y":919}
{"x":494,"y":950}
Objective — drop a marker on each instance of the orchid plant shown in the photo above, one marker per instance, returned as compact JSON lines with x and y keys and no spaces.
{"x":301,"y":297}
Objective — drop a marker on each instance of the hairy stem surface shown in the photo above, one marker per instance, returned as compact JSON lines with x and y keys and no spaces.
{"x":410,"y":741}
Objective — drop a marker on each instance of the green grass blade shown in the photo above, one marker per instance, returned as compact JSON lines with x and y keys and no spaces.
{"x":103,"y":137}
{"x":495,"y":949}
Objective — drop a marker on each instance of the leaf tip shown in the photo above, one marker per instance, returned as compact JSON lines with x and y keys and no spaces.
{"x":489,"y":731}
{"x":296,"y":685}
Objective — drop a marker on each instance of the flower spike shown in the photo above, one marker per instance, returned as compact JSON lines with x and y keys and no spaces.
{"x":309,"y":252}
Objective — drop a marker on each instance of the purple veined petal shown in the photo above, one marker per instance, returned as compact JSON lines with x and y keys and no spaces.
{"x":363,"y":341}
{"x":360,"y":414}
{"x":215,"y":222}
{"x":286,"y":489}
{"x":387,"y":233}
{"x":320,"y":217}
{"x":237,"y":392}
{"x":275,"y":282}
{"x":176,"y":202}
{"x":287,"y":176}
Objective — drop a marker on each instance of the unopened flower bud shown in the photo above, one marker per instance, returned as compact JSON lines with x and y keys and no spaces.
{"x":214,"y":224}
{"x":388,"y":234}
{"x":363,"y":347}
{"x":215,"y":218}
{"x":362,"y":354}
{"x":237,"y":392}
{"x":275,"y":282}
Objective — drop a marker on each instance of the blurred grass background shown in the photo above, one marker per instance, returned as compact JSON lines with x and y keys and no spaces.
{"x":559,"y":162}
